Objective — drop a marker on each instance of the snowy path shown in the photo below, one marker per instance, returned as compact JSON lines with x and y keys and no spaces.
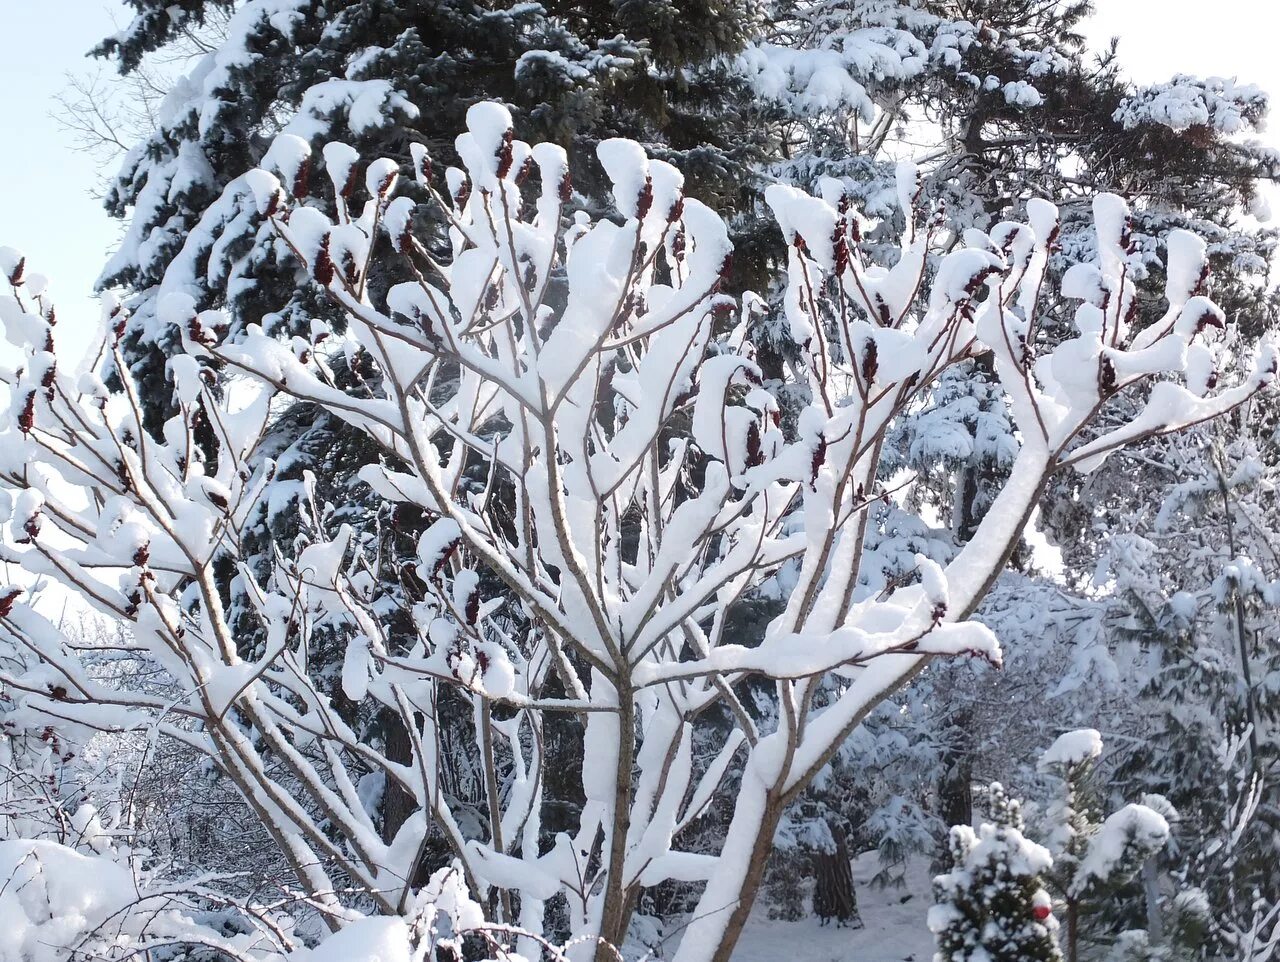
{"x":894,"y":930}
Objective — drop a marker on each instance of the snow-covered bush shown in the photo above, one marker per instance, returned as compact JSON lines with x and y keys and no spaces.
{"x":1000,"y":893}
{"x":992,"y":903}
{"x":58,"y":904}
{"x":577,"y":411}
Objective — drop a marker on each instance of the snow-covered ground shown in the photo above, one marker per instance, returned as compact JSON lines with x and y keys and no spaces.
{"x":894,"y":926}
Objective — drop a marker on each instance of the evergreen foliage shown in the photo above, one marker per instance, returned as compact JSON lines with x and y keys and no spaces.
{"x":992,"y":904}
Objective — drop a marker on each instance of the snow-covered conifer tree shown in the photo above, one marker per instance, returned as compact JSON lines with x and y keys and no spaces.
{"x":382,"y":75}
{"x":1001,"y":892}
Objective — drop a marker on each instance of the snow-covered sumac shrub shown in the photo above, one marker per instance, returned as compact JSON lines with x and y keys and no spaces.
{"x":574,"y":406}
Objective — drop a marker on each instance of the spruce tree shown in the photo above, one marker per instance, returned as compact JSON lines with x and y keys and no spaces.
{"x":390,"y":78}
{"x":381,"y":75}
{"x":1001,"y":890}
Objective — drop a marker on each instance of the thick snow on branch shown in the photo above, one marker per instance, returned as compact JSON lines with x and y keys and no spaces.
{"x":855,"y":55}
{"x":1221,"y":104}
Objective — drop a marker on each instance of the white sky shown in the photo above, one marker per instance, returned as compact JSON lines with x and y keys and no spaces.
{"x":46,"y":207}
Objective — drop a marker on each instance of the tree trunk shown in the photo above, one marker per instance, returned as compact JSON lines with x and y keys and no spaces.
{"x":397,"y":804}
{"x":955,"y":793}
{"x":618,"y":902}
{"x":1073,"y":931}
{"x":834,"y":896}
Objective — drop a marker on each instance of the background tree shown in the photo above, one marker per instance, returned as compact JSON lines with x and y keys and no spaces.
{"x":394,"y":79}
{"x":998,"y":102}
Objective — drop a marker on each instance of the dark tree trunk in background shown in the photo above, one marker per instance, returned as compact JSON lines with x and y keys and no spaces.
{"x":833,"y":893}
{"x":397,"y":804}
{"x":955,"y":794}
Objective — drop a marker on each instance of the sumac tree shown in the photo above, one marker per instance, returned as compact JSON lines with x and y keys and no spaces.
{"x":574,"y":406}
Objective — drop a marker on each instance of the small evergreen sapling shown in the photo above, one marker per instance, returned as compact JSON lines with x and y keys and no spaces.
{"x":995,"y":901}
{"x":992,"y":905}
{"x":1092,"y":860}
